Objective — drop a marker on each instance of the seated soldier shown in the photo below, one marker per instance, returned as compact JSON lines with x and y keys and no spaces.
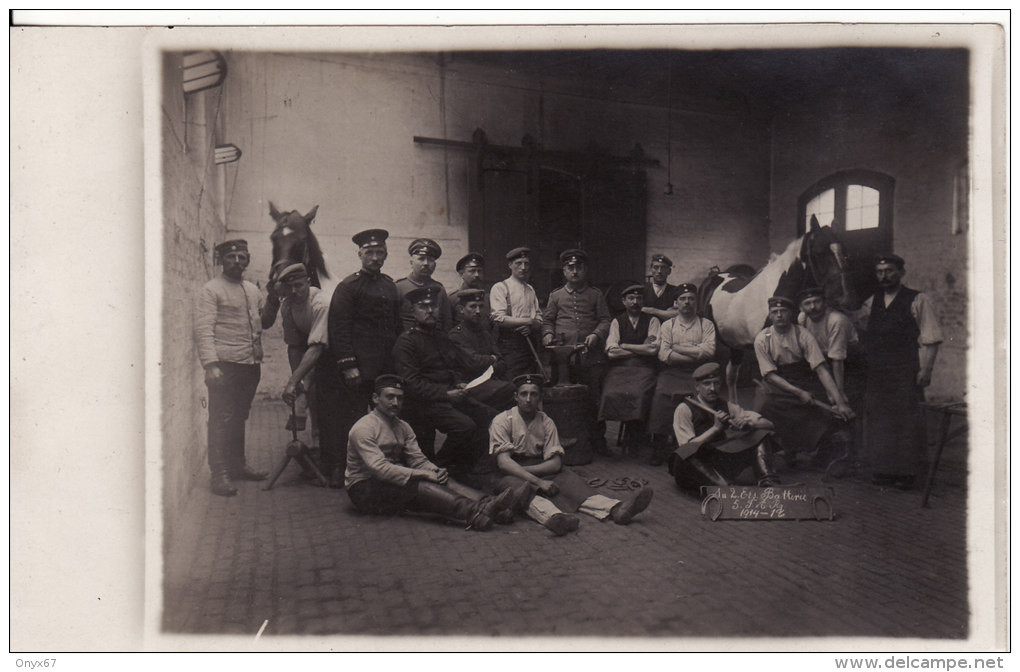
{"x":473,"y":331}
{"x":718,"y":440}
{"x":796,"y":380}
{"x":387,"y":473}
{"x":436,"y":371}
{"x":527,"y":448}
{"x":632,"y":348}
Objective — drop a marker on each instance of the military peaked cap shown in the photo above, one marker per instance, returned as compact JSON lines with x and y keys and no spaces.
{"x":371,"y":238}
{"x":426,"y":294}
{"x":518,"y":253}
{"x":778,"y":301}
{"x":226,"y":247}
{"x":810,"y":292}
{"x":705,"y":371}
{"x":529,"y":379}
{"x":633,"y":289}
{"x":465,"y":295}
{"x":573,"y":256}
{"x":293,"y":272}
{"x":425,"y":246}
{"x":687,"y":288}
{"x":389,"y":380}
{"x":470,"y":259}
{"x":662,"y":259}
{"x":890,"y":259}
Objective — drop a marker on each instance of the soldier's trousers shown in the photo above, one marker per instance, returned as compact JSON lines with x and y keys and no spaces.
{"x":337,"y":409}
{"x":229,"y":405}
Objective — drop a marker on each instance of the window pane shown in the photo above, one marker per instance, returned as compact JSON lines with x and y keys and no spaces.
{"x":822,"y":206}
{"x":861,"y":207}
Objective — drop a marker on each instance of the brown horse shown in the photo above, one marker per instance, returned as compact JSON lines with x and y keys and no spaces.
{"x":294,"y":242}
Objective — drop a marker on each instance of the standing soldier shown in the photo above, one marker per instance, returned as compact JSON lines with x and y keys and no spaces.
{"x":577,"y":315}
{"x":516,"y":314}
{"x":901,"y":340}
{"x":364,"y":318}
{"x":228,"y":333}
{"x":424,"y":254}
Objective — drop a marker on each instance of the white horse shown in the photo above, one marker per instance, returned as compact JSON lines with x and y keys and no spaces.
{"x":739,"y":304}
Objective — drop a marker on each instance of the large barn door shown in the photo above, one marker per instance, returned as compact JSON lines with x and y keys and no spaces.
{"x":613,"y":214}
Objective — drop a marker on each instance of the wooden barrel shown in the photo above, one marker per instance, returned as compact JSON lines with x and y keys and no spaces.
{"x":569,"y":408}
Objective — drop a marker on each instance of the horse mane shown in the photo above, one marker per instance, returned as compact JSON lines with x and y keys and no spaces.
{"x":315,"y":257}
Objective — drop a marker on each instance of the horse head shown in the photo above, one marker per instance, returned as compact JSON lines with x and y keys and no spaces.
{"x":825,"y":265}
{"x":294,"y":242}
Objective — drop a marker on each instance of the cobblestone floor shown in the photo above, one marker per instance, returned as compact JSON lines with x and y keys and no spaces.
{"x":299,"y":557}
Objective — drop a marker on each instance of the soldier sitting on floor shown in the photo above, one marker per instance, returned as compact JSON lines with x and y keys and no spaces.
{"x":527,"y":448}
{"x":718,"y":440}
{"x":388,"y":474}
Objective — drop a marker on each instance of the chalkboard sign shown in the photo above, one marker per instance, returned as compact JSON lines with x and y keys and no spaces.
{"x":744,"y":502}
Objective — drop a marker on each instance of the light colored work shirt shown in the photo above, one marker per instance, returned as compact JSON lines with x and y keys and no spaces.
{"x":510,"y":433}
{"x":773,"y":348}
{"x":382,"y":448}
{"x":513,"y":298}
{"x":306,"y":323}
{"x":834,"y":332}
{"x":228,"y":322}
{"x":698,"y":332}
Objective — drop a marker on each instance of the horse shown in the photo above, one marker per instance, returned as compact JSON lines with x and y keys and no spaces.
{"x":738,"y":302}
{"x":294,"y":242}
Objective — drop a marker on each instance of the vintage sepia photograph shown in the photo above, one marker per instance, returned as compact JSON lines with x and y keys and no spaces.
{"x":574,"y":337}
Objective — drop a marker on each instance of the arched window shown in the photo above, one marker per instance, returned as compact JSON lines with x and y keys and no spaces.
{"x":858,"y":204}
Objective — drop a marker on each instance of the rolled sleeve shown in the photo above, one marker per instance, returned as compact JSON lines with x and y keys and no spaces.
{"x":665,"y":340}
{"x":683,"y":424}
{"x":706,"y":348}
{"x":501,"y":434}
{"x":766,"y":364}
{"x":810,"y":348}
{"x":924,"y":314}
{"x":613,"y":340}
{"x":653,"y":332}
{"x":552,"y":439}
{"x":318,"y":334}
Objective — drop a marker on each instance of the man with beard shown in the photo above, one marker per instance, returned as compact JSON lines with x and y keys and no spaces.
{"x":659,"y":294}
{"x":685,"y":342}
{"x":797,"y":379}
{"x":436,"y":372}
{"x":471,"y":269}
{"x":364,"y":318}
{"x":387,"y":473}
{"x":228,"y":334}
{"x":424,"y":253}
{"x":516,"y":314}
{"x":901,"y":338}
{"x":718,"y":440}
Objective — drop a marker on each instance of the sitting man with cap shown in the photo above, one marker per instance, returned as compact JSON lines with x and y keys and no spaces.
{"x":516,"y":314}
{"x":685,"y":342}
{"x":527,"y":448}
{"x":305,"y":311}
{"x":577,"y":314}
{"x":472,"y":331}
{"x":632,"y":348}
{"x":901,"y":337}
{"x":424,"y":252}
{"x":387,"y":473}
{"x":471,"y":269}
{"x":228,"y":335}
{"x":718,"y":440}
{"x":658,"y":293}
{"x":436,"y":372}
{"x":364,"y":318}
{"x":796,"y":380}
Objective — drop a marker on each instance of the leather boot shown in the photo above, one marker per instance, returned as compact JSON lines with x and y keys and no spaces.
{"x":624,"y":512}
{"x":764,"y":470}
{"x":435,"y":498}
{"x":706,"y":471}
{"x":246,"y":473}
{"x":221,"y":485}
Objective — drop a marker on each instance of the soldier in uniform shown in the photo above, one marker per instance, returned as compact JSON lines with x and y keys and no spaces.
{"x":471,"y":333}
{"x":471,"y":268}
{"x":424,"y":254}
{"x":577,"y":314}
{"x":436,"y":371}
{"x":659,"y":294}
{"x":516,"y":314}
{"x":364,"y":318}
{"x":228,"y":333}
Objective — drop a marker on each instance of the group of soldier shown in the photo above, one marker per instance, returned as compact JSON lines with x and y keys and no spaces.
{"x":396,"y":362}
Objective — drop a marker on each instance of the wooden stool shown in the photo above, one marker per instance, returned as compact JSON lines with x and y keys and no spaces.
{"x":946,"y":414}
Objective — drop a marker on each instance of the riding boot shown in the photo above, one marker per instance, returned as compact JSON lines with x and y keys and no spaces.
{"x":478,"y":515}
{"x":220,"y":482}
{"x":764,"y":470}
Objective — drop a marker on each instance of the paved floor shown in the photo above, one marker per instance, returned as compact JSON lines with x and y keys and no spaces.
{"x":299,"y":557}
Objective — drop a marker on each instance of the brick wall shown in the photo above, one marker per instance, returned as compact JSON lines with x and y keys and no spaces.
{"x":192,"y":225}
{"x":911,"y":124}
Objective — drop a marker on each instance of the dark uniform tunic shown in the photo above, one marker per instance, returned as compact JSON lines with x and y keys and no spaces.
{"x":406,"y":285}
{"x":479,"y":341}
{"x":431,"y":364}
{"x":664,"y":302}
{"x":364,"y":315}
